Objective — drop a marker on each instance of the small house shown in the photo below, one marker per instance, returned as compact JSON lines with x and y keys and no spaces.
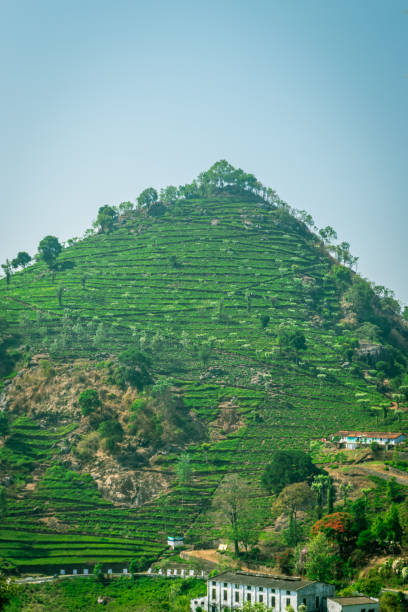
{"x":352,"y":604}
{"x":353,"y":439}
{"x":175,"y":541}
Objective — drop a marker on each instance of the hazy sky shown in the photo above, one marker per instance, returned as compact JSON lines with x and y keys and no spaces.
{"x":100,"y":99}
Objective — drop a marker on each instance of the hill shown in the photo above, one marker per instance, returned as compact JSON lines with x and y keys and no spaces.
{"x":215,"y":325}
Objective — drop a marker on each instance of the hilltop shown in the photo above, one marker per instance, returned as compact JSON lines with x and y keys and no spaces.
{"x":215,"y":325}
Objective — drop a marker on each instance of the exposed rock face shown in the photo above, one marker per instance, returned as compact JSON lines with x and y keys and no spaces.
{"x":131,"y":488}
{"x":128,"y":475}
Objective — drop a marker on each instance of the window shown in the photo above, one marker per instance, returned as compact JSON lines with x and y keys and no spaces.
{"x":213,"y":583}
{"x":363,"y":610}
{"x":225,"y":596}
{"x":317,"y":602}
{"x":260,"y":589}
{"x":260,"y":597}
{"x":272,"y":590}
{"x":214,"y":594}
{"x":248,"y":596}
{"x":236,"y":586}
{"x":225,"y":584}
{"x":236,"y":596}
{"x":287,"y":592}
{"x":273,"y":601}
{"x":287,"y":602}
{"x":304,"y":602}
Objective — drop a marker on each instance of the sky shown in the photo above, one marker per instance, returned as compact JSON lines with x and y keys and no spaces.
{"x":101,"y":99}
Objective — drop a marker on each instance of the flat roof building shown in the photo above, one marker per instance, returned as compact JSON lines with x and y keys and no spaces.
{"x":358,"y":603}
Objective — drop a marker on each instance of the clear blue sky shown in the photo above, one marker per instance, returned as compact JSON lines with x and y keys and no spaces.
{"x":100,"y":99}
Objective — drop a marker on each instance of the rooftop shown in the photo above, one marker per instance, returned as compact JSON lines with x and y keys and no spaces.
{"x":370,"y":434}
{"x":279,"y":582}
{"x":353,"y":601}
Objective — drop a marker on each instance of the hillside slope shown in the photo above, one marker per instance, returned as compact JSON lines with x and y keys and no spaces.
{"x":206,"y":290}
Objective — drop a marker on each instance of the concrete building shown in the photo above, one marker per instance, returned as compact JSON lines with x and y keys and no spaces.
{"x":352,"y":604}
{"x":231,"y":590}
{"x":353,"y":439}
{"x":175,"y":541}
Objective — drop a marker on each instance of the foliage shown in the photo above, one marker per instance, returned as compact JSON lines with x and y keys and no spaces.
{"x":286,"y":467}
{"x":48,"y":250}
{"x":106,"y":219}
{"x":336,"y":525}
{"x":134,"y":370}
{"x":111,"y":432}
{"x":22,"y":260}
{"x":142,"y":594}
{"x":322,"y":561}
{"x":147,"y":197}
{"x":183,"y":469}
{"x":238,"y":515}
{"x":88,"y":400}
{"x":4,"y":423}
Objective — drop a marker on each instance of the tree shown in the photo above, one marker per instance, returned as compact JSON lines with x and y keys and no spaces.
{"x":320,"y":485}
{"x":135,"y":368}
{"x":48,"y":251}
{"x":321,"y":559}
{"x":60,"y":293}
{"x":107,"y":216}
{"x":8,"y":590}
{"x":147,"y":197}
{"x":238,"y":515}
{"x":328,"y":234}
{"x":295,"y":497}
{"x":125,"y":207}
{"x":3,"y":500}
{"x":205,"y":447}
{"x":264,"y":319}
{"x":88,"y":400}
{"x":183,"y":469}
{"x":4,"y":424}
{"x":7,"y":271}
{"x":98,"y":572}
{"x":112,"y":432}
{"x":345,"y":488}
{"x":22,"y":260}
{"x":291,"y":341}
{"x":286,"y":467}
{"x":137,"y":565}
{"x":169,"y":195}
{"x":184,"y":472}
{"x":392,"y":602}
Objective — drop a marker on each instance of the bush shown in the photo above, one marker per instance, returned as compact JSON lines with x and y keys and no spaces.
{"x":88,"y":401}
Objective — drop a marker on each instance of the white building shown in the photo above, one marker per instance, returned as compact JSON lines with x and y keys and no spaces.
{"x":352,"y":604}
{"x":231,"y":590}
{"x":175,"y":541}
{"x":353,"y":439}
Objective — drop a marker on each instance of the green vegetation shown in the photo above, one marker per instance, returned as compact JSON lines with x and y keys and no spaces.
{"x":139,"y":594}
{"x":230,"y":329}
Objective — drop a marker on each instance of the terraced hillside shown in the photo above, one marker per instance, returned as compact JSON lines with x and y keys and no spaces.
{"x":205,"y":290}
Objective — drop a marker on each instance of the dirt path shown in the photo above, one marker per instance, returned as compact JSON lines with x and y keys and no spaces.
{"x":373,"y":471}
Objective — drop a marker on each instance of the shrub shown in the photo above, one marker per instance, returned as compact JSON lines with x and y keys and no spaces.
{"x":88,"y":446}
{"x":88,"y":401}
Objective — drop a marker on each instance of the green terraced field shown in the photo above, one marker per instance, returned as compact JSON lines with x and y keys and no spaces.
{"x":200,"y":276}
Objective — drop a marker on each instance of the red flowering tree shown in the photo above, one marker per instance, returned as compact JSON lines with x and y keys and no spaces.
{"x":336,"y":526}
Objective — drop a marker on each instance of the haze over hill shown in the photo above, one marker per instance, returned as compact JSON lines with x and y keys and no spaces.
{"x":179,"y":342}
